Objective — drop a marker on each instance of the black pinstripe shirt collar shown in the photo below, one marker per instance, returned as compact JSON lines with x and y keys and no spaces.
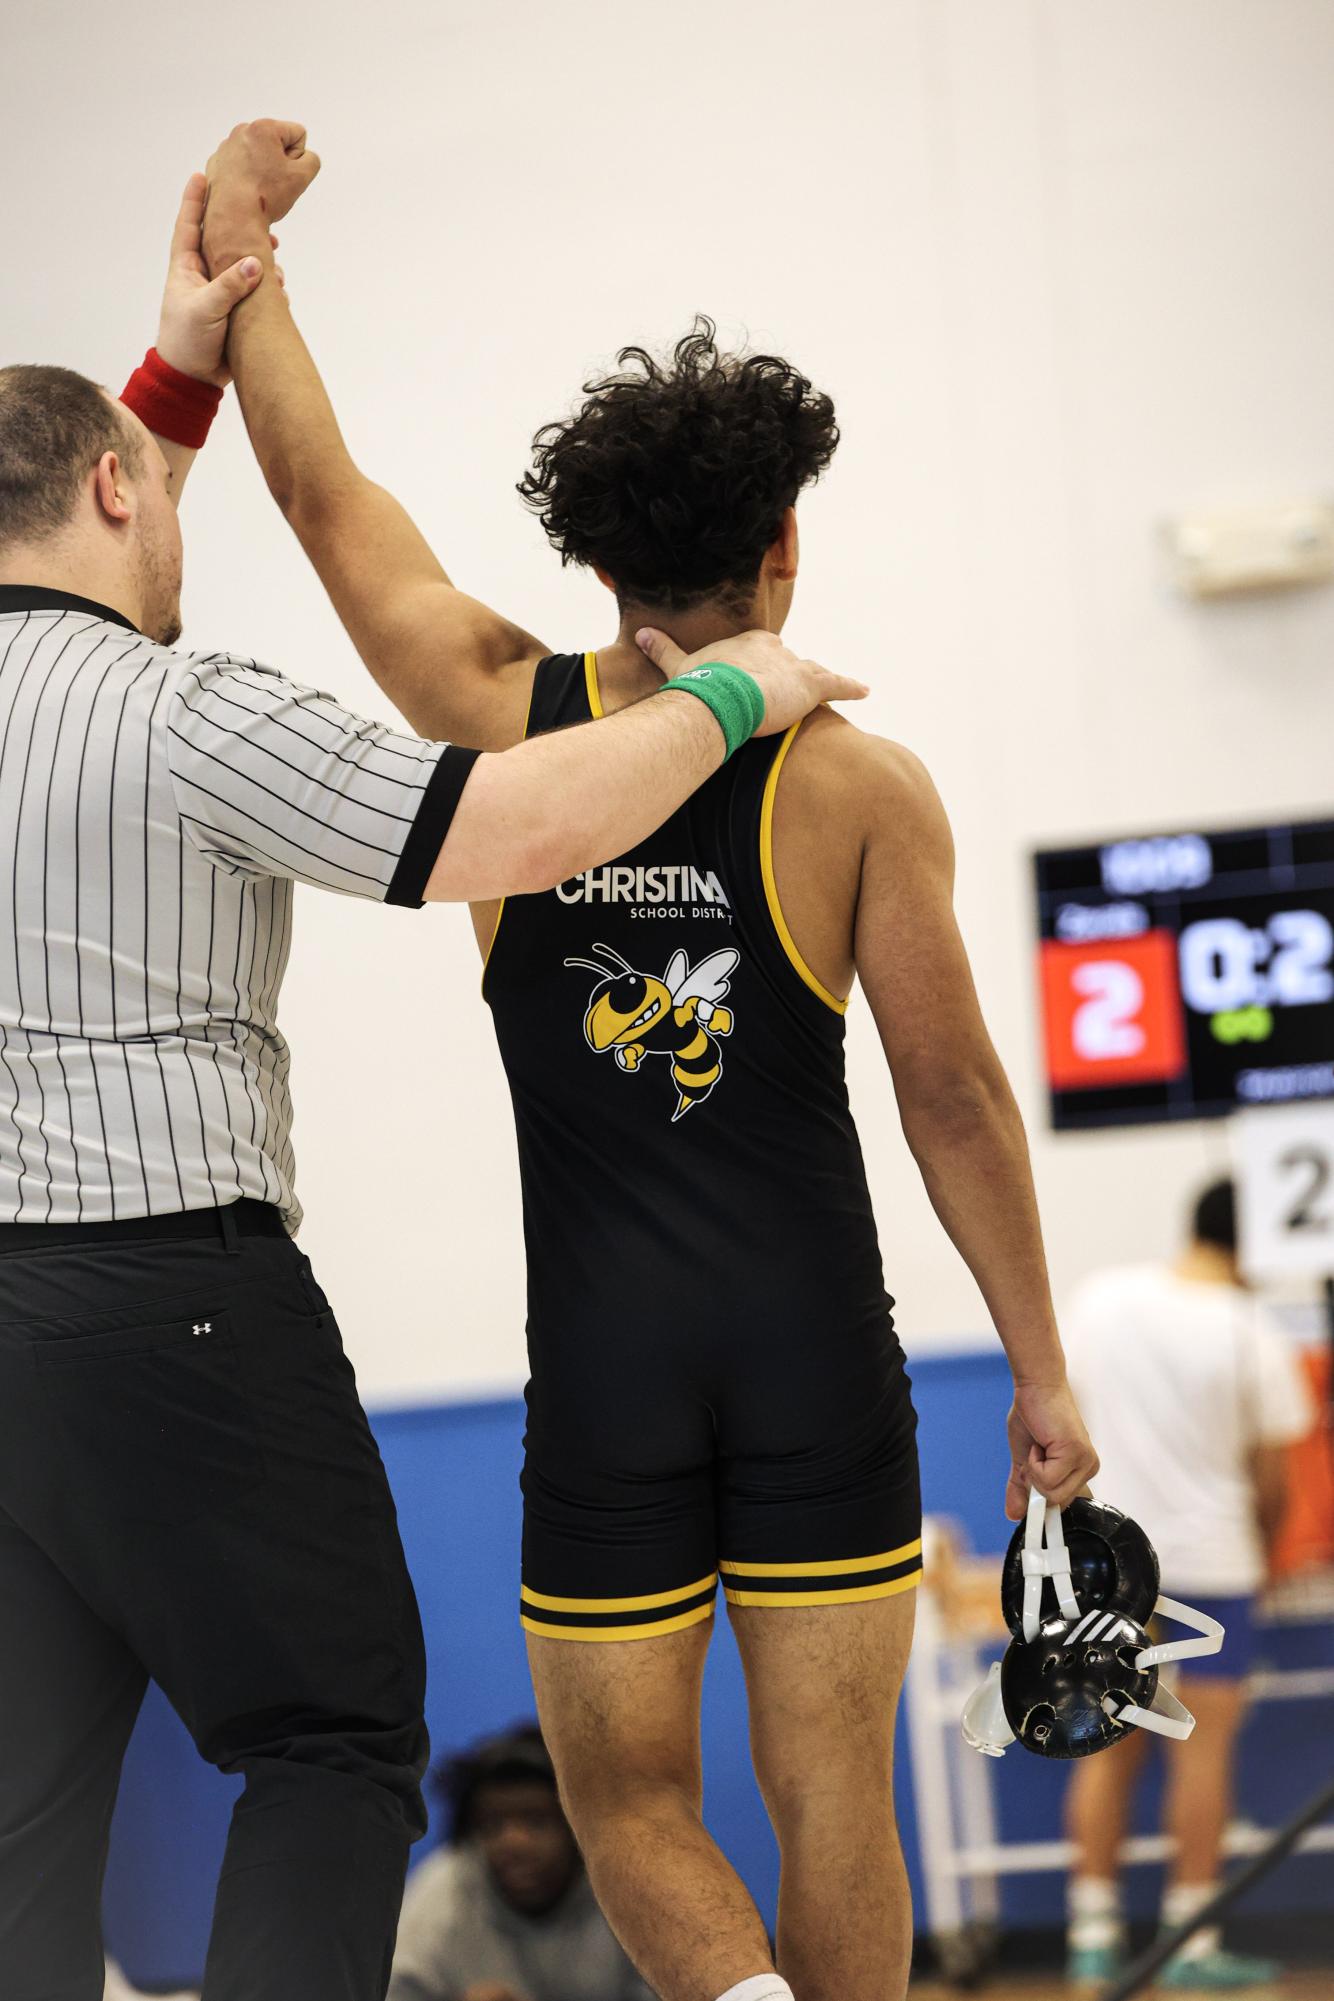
{"x":36,"y":597}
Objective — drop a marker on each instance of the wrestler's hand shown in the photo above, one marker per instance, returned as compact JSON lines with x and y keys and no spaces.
{"x":192,"y":326}
{"x":259,"y":172}
{"x":490,"y":1990}
{"x":1049,"y":1447}
{"x":791,"y":687}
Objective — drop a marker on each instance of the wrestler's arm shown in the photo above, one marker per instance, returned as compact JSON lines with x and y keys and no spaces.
{"x":958,"y":1111}
{"x":455,"y":668}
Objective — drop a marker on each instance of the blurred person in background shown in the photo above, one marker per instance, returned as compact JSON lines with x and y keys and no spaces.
{"x":504,"y":1911}
{"x":1194,"y":1394}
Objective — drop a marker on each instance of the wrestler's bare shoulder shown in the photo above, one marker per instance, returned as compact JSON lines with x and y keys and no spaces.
{"x":838,"y":773}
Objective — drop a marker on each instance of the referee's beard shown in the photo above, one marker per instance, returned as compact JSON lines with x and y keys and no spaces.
{"x":158,"y":566}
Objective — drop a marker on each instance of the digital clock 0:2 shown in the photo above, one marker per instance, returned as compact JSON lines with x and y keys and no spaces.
{"x":1228,"y":965}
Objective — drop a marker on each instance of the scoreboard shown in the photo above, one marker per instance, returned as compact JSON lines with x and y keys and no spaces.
{"x":1186,"y":976}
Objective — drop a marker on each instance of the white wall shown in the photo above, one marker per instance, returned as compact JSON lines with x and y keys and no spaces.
{"x":1065,"y":267}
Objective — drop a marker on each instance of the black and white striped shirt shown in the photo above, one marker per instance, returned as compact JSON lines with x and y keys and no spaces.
{"x":155,"y":809}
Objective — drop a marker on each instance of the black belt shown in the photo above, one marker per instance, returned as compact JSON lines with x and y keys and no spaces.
{"x":243,"y":1218}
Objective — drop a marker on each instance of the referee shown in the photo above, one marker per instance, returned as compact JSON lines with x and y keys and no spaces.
{"x":189,"y":1489}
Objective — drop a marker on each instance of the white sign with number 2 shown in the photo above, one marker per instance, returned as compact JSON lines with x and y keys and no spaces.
{"x":1284,"y":1162}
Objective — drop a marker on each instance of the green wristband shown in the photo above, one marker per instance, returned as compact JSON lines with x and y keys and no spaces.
{"x":735,"y":698}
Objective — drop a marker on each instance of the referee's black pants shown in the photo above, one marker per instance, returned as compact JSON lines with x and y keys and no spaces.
{"x":189,"y":1490}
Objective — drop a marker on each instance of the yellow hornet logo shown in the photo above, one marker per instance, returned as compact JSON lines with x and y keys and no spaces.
{"x":677,"y":1016}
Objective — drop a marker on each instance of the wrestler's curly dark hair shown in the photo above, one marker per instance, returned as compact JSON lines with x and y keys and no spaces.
{"x":674,"y":474}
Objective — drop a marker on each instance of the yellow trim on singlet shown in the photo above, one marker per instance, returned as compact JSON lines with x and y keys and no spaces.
{"x":657,"y":1631}
{"x":785,"y":938}
{"x":495,"y":933}
{"x":591,"y":683}
{"x":856,"y":1594}
{"x":846,"y":1568}
{"x":646,"y":1604}
{"x":495,"y":929}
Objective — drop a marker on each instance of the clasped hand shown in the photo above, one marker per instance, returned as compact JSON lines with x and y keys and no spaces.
{"x":222,"y":244}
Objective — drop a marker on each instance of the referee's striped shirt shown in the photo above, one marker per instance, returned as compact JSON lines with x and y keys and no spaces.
{"x":155,"y":809}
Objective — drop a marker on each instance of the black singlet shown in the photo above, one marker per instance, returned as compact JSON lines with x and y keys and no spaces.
{"x":693,"y":1183}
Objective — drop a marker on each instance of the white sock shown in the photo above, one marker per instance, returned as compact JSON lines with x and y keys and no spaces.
{"x":760,"y":1987}
{"x":1180,"y":1902}
{"x":1093,"y":1908}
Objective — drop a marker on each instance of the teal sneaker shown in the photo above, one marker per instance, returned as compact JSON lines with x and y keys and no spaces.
{"x":1218,"y":1973}
{"x":1092,"y":1965}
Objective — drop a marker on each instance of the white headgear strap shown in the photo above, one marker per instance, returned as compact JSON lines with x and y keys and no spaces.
{"x":1045,"y":1556}
{"x":1209,"y":1630}
{"x":1166,"y":1714}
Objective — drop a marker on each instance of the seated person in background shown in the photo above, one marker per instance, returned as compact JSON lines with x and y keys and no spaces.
{"x":504,"y":1912}
{"x":1193,"y":1395}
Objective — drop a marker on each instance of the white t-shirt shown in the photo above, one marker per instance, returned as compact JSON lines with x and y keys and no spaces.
{"x":1178,"y":1382}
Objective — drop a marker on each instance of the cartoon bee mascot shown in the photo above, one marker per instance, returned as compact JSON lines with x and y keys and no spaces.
{"x":677,"y":1016}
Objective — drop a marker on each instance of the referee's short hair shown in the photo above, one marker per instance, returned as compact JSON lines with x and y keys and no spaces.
{"x":54,"y":427}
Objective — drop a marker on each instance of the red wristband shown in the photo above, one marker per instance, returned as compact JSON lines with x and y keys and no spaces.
{"x":174,"y":406}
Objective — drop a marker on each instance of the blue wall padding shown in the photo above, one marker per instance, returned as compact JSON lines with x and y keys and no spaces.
{"x":454,"y":1470}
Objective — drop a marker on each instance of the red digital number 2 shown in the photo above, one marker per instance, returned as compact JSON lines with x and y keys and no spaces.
{"x":1112,"y":1011}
